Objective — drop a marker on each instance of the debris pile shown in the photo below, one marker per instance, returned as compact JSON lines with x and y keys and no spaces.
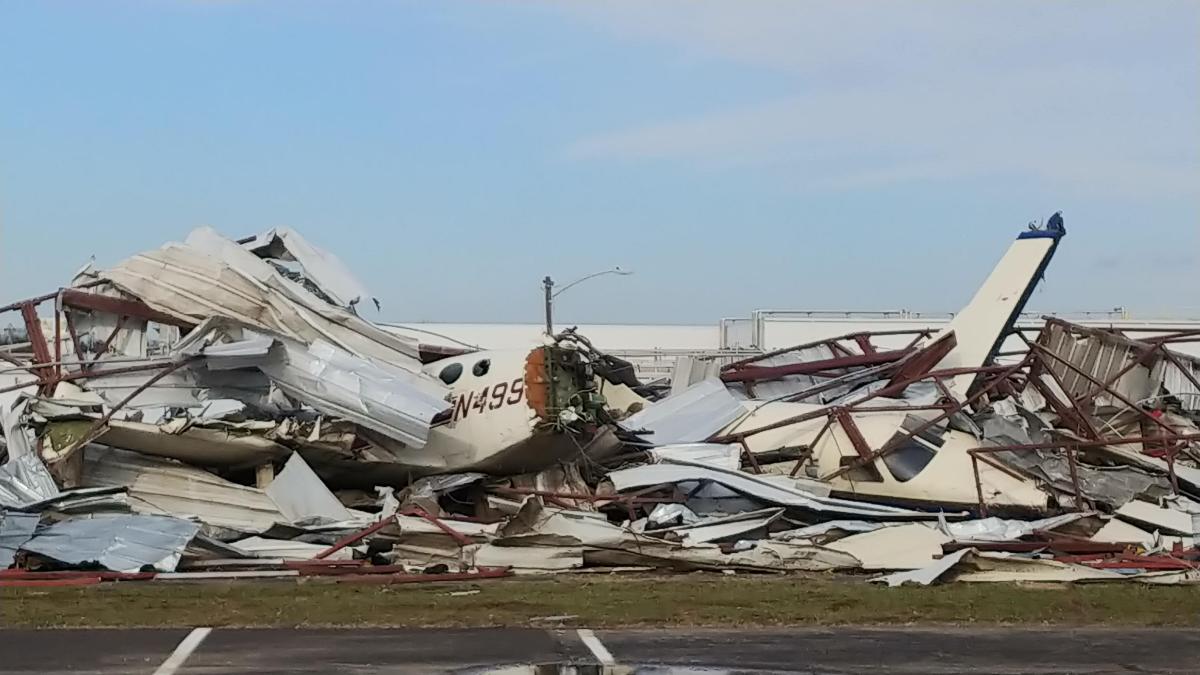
{"x":219,"y":409}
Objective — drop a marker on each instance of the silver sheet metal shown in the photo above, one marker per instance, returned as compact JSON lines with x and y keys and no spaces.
{"x":25,"y":481}
{"x":691,"y":416}
{"x":391,"y":401}
{"x":118,"y":543}
{"x":320,"y":267}
{"x":15,"y":530}
{"x":756,"y":487}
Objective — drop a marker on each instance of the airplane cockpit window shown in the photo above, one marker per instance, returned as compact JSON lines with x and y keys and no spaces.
{"x":909,"y":459}
{"x":451,"y":373}
{"x":481,"y":368}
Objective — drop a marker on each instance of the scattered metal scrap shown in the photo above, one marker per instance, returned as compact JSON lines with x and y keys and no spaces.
{"x":218,"y":409}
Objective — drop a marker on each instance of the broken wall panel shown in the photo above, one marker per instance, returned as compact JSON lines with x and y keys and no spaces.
{"x":301,"y":496}
{"x":319,"y":267}
{"x":689,"y":417}
{"x":212,"y":276}
{"x":158,"y":486}
{"x":1080,"y":352}
{"x":117,"y":543}
{"x":15,"y":529}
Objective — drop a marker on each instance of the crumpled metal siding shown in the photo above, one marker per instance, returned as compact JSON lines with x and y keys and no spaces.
{"x":213,"y":276}
{"x":393,"y":402}
{"x":24,"y":481}
{"x":118,"y":543}
{"x":1101,"y":357}
{"x":691,"y":416}
{"x":15,"y":530}
{"x":1177,"y":383}
{"x":321,"y":267}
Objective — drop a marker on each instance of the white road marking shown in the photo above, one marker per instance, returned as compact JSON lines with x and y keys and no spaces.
{"x":183,"y":651}
{"x":593,"y":643}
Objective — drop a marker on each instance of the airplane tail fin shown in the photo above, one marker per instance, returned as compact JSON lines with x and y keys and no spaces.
{"x":982,"y":326}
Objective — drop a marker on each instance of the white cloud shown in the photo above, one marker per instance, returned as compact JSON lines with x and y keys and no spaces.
{"x":1091,"y":96}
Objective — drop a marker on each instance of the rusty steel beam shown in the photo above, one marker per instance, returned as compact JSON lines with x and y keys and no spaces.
{"x":920,"y":332}
{"x":863,"y":340}
{"x":908,"y":435}
{"x":104,"y":419}
{"x":860,"y":444}
{"x":354,"y":537}
{"x":811,"y":367}
{"x":78,"y":348}
{"x":882,"y":393}
{"x":458,"y":537}
{"x":37,"y":300}
{"x":58,"y":335}
{"x":120,"y":306}
{"x":925,"y":360}
{"x":816,"y":439}
{"x":1119,"y":396}
{"x":85,"y":375}
{"x":37,"y":342}
{"x":1081,"y":444}
{"x":108,"y":341}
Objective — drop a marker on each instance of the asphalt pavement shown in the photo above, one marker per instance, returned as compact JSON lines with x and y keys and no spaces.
{"x":517,"y":651}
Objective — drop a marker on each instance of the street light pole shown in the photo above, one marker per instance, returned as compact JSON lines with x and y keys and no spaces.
{"x":548,"y":285}
{"x":551,"y":294}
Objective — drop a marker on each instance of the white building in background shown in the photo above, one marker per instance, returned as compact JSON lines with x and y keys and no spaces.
{"x":654,"y":348}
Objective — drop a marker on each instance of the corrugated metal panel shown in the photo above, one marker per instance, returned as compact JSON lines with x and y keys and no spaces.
{"x":15,"y":530}
{"x":213,"y":276}
{"x":159,"y":486}
{"x":688,"y":417}
{"x":323,"y":269}
{"x":117,"y":543}
{"x":24,"y":479}
{"x":1099,"y":355}
{"x":396,"y":403}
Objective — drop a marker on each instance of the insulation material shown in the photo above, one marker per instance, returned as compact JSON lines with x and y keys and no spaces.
{"x":969,"y":565}
{"x":185,"y":442}
{"x":832,"y":529}
{"x":926,"y":574}
{"x":1117,"y":531}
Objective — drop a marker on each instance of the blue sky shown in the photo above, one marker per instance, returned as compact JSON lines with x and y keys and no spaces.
{"x":735,"y":155}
